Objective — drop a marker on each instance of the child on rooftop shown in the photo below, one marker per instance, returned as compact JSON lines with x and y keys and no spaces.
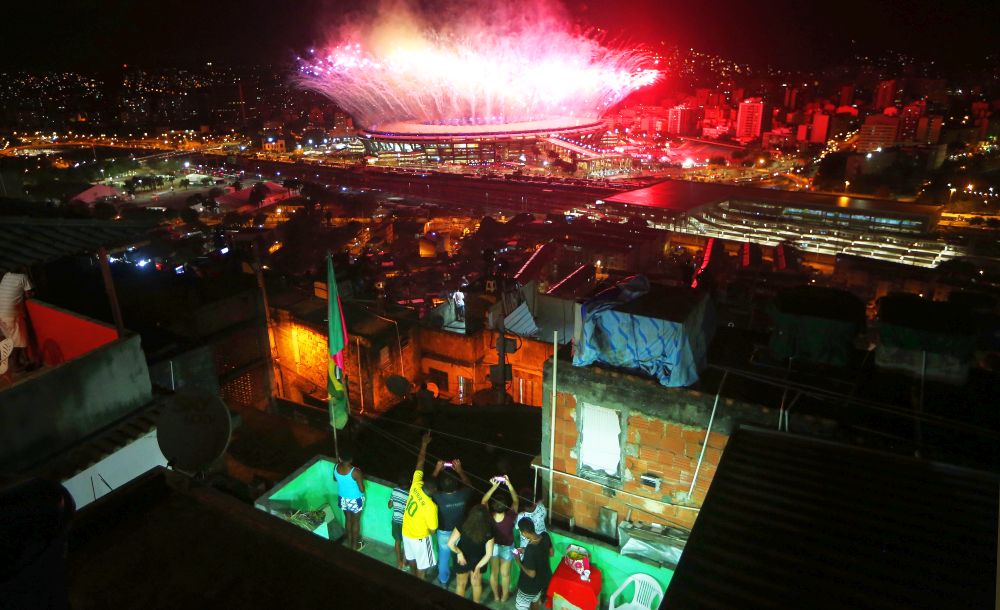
{"x":397,"y":502}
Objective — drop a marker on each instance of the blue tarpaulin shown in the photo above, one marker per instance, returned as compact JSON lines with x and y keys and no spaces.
{"x":670,"y":350}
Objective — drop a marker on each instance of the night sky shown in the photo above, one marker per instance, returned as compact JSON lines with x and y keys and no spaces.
{"x":100,"y":34}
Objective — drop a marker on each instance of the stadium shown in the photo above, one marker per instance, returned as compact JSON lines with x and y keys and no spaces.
{"x":480,"y":93}
{"x":475,"y":144}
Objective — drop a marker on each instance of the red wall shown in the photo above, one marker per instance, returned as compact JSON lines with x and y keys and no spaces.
{"x":60,"y":335}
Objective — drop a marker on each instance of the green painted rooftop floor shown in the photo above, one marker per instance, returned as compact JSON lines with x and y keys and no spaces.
{"x":387,"y":554}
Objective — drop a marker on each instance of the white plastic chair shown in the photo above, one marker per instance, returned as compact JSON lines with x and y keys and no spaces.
{"x":645,"y":596}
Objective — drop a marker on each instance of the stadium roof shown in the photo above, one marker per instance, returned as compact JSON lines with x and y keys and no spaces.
{"x":793,"y":522}
{"x":541,"y":128}
{"x":681,"y":196}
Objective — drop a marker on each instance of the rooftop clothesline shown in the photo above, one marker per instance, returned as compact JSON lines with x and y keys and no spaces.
{"x":461,"y":438}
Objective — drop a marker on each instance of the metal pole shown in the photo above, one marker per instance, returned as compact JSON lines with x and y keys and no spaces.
{"x":918,"y":426}
{"x":274,"y":382}
{"x":399,"y":346}
{"x":708,"y":431}
{"x":552,"y":419}
{"x":361,"y":381}
{"x":109,"y":287}
{"x":399,"y":341}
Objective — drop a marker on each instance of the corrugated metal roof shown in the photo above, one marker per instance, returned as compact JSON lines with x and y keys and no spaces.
{"x":32,"y":241}
{"x":520,"y":322}
{"x":791,"y":522}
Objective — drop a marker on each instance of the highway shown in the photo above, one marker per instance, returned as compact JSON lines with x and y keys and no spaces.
{"x":459,"y":191}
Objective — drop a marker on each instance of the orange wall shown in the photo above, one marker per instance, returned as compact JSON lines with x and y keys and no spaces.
{"x":62,"y":336}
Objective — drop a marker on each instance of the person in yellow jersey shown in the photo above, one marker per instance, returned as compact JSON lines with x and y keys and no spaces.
{"x":420,"y":518}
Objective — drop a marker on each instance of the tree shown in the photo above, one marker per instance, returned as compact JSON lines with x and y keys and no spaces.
{"x":104,"y":210}
{"x":233,"y":219}
{"x":77,"y":209}
{"x":257,"y":194}
{"x":292,"y":184}
{"x":207,"y":181}
{"x":717,"y":160}
{"x":190,"y":216}
{"x":237,"y":186}
{"x":185,"y":183}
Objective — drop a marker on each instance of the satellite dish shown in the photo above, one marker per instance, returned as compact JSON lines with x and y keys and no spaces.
{"x":398,"y":385}
{"x":194,"y":430}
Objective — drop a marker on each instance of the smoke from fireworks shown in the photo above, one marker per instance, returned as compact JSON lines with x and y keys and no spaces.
{"x":487,"y":63}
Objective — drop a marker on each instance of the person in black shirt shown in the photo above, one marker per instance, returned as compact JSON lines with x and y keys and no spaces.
{"x":533,"y":560}
{"x":451,"y":501}
{"x":472,"y":544}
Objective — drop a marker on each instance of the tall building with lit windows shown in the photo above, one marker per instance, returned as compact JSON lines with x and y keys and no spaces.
{"x":909,"y":120}
{"x":929,"y":129}
{"x":878,"y":131}
{"x":750,"y":119}
{"x":885,"y":95}
{"x":820,"y":131}
{"x":682,"y":120}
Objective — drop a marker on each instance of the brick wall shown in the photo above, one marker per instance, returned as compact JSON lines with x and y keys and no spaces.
{"x":653,"y":446}
{"x":663,"y":431}
{"x":302,"y":366}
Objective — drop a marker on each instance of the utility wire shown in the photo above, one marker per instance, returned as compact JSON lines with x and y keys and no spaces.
{"x":410,"y":448}
{"x":398,"y":441}
{"x":455,"y":436}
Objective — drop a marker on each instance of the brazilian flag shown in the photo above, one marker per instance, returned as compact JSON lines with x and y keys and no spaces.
{"x":336,"y":387}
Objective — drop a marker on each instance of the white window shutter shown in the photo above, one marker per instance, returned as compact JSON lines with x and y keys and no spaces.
{"x":600,"y":447}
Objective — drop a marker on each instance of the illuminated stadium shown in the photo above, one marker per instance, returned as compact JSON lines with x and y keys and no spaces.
{"x":473,"y":143}
{"x":471,"y":90}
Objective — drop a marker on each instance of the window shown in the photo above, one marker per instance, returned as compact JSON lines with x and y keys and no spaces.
{"x":600,"y":439}
{"x":439,"y":378}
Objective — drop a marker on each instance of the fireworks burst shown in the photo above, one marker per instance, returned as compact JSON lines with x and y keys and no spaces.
{"x":479,"y":73}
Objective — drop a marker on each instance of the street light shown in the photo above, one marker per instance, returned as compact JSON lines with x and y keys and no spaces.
{"x":847,"y":185}
{"x":951,"y":192}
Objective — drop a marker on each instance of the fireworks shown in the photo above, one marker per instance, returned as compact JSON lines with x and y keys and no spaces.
{"x":478,"y":73}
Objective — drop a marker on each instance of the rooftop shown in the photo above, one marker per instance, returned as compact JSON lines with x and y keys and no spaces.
{"x":203,"y":547}
{"x":791,"y":522}
{"x":682,"y":196}
{"x":31,"y":241}
{"x":672,"y":303}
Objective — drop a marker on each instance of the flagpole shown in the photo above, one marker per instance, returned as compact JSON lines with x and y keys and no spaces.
{"x":336,"y":336}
